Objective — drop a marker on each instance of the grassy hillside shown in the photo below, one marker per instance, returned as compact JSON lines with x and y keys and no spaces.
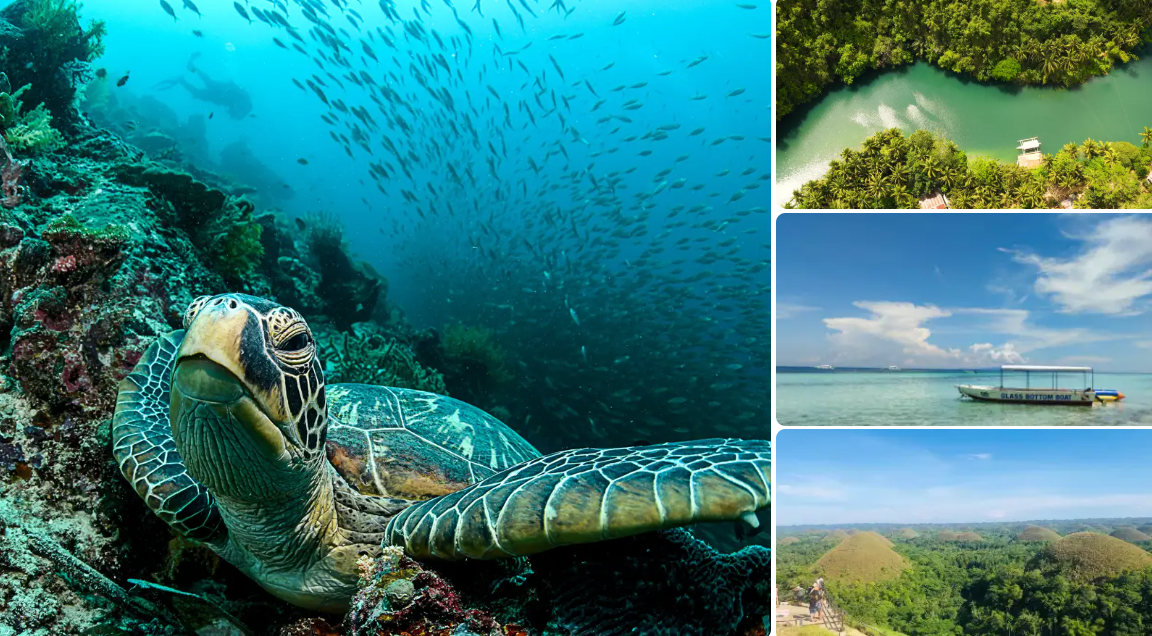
{"x":1089,"y":556}
{"x":1011,"y":582}
{"x":1038,"y":533}
{"x":865,"y":557}
{"x":1130,"y":534}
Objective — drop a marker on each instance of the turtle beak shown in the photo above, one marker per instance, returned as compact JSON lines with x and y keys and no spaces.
{"x":212,"y":379}
{"x":232,"y":338}
{"x":202,"y":379}
{"x":219,"y":396}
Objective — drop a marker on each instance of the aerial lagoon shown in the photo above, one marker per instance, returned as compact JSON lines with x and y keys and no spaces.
{"x":983,"y":119}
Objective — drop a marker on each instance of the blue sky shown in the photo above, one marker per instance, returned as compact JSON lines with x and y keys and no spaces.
{"x":826,"y":476}
{"x":939,"y":290}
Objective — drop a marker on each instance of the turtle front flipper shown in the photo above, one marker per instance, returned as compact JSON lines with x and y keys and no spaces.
{"x":588,"y":495}
{"x":146,"y":453}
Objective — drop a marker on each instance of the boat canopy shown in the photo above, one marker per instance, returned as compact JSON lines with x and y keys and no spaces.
{"x":1025,"y":367}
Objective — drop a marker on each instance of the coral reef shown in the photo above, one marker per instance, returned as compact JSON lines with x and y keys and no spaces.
{"x":475,"y":364}
{"x":350,"y":290}
{"x":10,"y":173}
{"x":33,"y":132}
{"x":366,"y":355}
{"x":400,"y":597}
{"x":663,"y":584}
{"x":29,"y":131}
{"x":44,"y":45}
{"x":224,"y":228}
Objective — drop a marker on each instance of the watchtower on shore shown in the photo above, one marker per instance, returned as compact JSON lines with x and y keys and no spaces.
{"x":1030,"y":156}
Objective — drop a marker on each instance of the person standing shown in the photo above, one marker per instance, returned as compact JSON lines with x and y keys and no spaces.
{"x":815,"y":604}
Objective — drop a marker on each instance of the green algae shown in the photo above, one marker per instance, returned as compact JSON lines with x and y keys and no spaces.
{"x":30,"y":131}
{"x":59,"y":22}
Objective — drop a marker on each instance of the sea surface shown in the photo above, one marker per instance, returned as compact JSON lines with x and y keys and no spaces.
{"x":920,"y":398}
{"x":983,"y":119}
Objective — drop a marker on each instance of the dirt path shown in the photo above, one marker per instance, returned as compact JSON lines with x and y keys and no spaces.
{"x":802,"y":610}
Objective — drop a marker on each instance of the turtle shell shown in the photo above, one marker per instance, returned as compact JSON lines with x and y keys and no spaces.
{"x":415,"y":445}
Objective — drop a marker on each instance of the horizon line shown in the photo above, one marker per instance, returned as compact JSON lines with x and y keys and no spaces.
{"x":943,"y":523}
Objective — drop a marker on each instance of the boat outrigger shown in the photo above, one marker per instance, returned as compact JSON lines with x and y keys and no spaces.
{"x":1054,"y":395}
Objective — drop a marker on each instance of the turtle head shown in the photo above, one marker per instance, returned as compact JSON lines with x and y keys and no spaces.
{"x":248,"y":410}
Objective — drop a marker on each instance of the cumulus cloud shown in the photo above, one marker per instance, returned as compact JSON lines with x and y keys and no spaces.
{"x":890,"y":322}
{"x":897,"y":331}
{"x":1110,"y":275}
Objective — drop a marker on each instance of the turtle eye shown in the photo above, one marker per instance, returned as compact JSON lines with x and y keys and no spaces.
{"x":194,"y":309}
{"x":298,"y":342}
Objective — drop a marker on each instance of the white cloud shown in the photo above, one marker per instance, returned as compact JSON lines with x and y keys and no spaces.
{"x":790,"y":310}
{"x":987,"y":353}
{"x":1109,"y":276}
{"x":979,"y":456}
{"x":890,"y":323}
{"x":895,"y":332}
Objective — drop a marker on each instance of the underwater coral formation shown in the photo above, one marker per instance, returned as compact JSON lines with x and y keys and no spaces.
{"x":366,"y":355}
{"x":398,"y":596}
{"x":45,"y":46}
{"x":668,"y":583}
{"x":351,"y":289}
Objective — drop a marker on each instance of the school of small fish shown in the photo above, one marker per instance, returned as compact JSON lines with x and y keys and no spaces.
{"x":637,"y":301}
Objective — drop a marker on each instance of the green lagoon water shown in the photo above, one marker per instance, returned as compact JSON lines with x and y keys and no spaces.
{"x":982,"y":119}
{"x":906,"y":398}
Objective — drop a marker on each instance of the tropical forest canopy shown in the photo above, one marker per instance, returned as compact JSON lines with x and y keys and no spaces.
{"x":893,"y":171}
{"x":985,"y":579}
{"x":819,"y":42}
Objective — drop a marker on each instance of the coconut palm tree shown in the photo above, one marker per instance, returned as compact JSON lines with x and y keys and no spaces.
{"x":1090,"y":148}
{"x":1147,"y":136}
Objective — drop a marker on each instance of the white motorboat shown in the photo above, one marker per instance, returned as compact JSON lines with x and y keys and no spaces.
{"x":826,"y":367}
{"x":1053,"y":395}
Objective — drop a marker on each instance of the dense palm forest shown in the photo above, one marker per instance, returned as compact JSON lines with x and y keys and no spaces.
{"x":1062,"y":43}
{"x":998,"y":586}
{"x":894,"y":171}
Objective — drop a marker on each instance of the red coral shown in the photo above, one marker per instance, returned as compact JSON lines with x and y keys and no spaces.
{"x":435,"y":610}
{"x":64,"y":264}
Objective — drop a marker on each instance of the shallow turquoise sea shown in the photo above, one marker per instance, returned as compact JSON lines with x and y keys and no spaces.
{"x":902,"y":398}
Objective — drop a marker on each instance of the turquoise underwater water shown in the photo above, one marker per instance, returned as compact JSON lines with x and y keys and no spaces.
{"x":883,"y":398}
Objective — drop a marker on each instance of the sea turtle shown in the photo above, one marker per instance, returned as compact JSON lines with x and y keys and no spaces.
{"x":228,"y":433}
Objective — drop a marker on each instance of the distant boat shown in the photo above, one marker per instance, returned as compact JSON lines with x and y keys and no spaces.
{"x":1028,"y":395}
{"x":894,"y":368}
{"x":825,"y":367}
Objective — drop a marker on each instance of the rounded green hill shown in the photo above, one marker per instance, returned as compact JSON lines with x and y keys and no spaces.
{"x":906,"y":533}
{"x":1038,"y":533}
{"x":1130,"y":534}
{"x":865,"y":557}
{"x":1089,"y":556}
{"x":783,"y":541}
{"x":1146,"y":528}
